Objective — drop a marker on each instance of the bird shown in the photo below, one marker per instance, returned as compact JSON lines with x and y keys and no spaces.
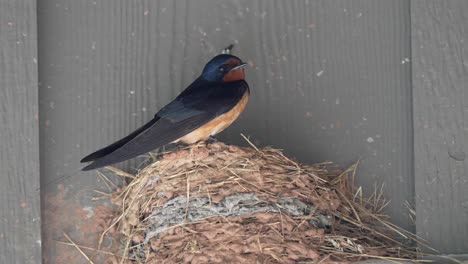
{"x":210,"y":104}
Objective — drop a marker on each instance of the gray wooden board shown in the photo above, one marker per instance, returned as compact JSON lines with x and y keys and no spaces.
{"x":440,"y":80}
{"x":19,"y":134}
{"x":330,"y":79}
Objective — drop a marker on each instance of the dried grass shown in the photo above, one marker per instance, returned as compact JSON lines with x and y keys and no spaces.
{"x":358,"y":228}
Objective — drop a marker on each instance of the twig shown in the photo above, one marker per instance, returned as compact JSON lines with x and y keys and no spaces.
{"x":250,"y":143}
{"x":126,"y":249}
{"x":106,"y":181}
{"x":88,"y":248}
{"x":77,"y":248}
{"x":120,"y":172}
{"x":188,"y":197}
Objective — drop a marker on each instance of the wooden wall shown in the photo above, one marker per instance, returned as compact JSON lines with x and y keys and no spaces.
{"x":20,"y":234}
{"x":381,"y":81}
{"x":440,"y":97}
{"x":330,"y":79}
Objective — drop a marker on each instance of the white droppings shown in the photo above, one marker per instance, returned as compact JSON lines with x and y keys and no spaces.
{"x":90,"y":211}
{"x":405,"y":60}
{"x":143,"y":109}
{"x":35,"y":60}
{"x":202,"y":31}
{"x":370,"y":140}
{"x":364,"y":118}
{"x":93,"y":45}
{"x":146,"y":12}
{"x":319,"y":73}
{"x":429,"y":182}
{"x":132,"y":92}
{"x":39,"y":242}
{"x":77,"y":145}
{"x":337,"y":101}
{"x":52,"y":105}
{"x":218,"y":29}
{"x":359,"y":14}
{"x":10,"y":24}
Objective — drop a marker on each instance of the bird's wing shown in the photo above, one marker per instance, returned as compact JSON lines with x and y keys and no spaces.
{"x":197,"y":105}
{"x":111,"y":148}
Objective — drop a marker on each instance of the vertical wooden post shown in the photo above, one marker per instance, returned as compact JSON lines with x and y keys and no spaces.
{"x":19,"y":152}
{"x":440,"y":97}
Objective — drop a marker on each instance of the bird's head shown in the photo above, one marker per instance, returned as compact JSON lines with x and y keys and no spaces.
{"x":224,"y":68}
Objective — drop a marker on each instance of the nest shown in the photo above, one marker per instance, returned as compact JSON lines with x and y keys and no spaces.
{"x":218,"y":203}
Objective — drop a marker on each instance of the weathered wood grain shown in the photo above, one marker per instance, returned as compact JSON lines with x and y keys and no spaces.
{"x":330,"y":80}
{"x":440,"y":96}
{"x":19,"y":134}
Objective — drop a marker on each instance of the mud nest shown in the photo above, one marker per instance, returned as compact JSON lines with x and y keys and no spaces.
{"x":227,"y":204}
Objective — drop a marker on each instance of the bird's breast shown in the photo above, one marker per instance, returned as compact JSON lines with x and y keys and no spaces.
{"x":216,"y":125}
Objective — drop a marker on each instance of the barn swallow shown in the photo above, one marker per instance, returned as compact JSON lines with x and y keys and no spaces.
{"x":206,"y":107}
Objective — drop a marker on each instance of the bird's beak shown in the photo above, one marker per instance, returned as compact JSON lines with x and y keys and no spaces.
{"x":242,"y":65}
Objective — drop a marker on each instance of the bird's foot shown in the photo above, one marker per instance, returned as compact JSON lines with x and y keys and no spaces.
{"x":228,"y":49}
{"x":194,"y":146}
{"x":211,"y":140}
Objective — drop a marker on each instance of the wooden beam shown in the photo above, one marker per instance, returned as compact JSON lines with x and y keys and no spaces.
{"x":440,"y":97}
{"x":19,"y":152}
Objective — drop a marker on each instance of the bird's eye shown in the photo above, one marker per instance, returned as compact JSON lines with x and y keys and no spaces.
{"x":222,"y":68}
